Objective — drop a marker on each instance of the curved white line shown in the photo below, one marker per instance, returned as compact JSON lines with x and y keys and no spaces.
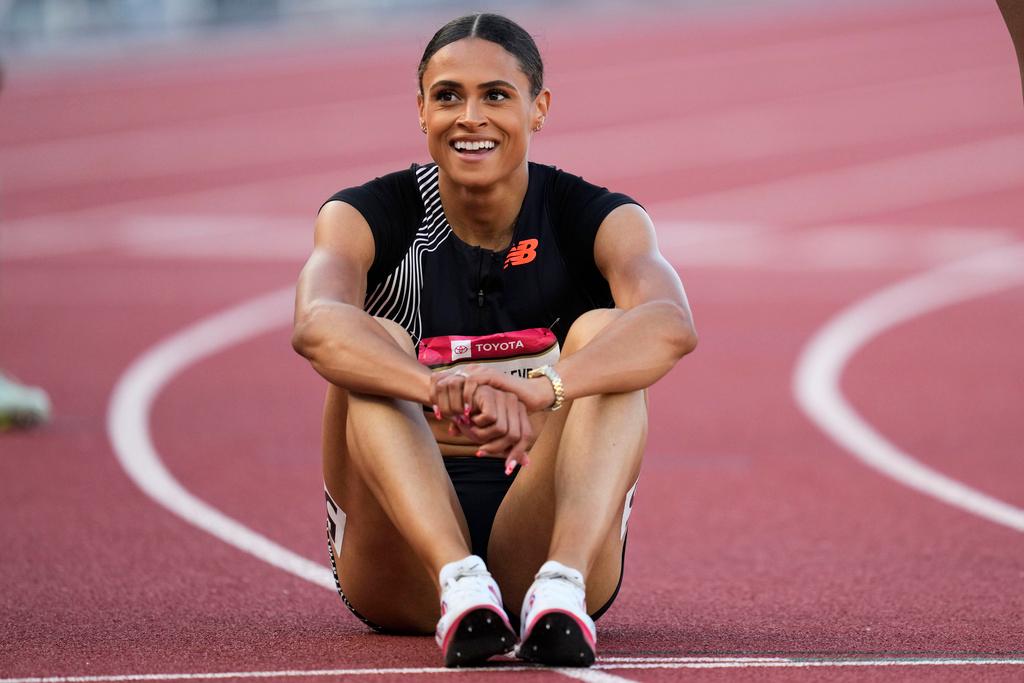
{"x":816,"y":386}
{"x":128,"y":427}
{"x":128,"y":424}
{"x":821,"y":364}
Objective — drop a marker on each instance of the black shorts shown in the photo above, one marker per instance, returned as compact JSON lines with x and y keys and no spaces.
{"x":481,"y":485}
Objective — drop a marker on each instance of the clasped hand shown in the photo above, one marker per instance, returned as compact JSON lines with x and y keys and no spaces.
{"x":491,"y":409}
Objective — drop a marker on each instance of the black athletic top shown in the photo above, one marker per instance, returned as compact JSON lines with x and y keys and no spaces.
{"x":433,"y":284}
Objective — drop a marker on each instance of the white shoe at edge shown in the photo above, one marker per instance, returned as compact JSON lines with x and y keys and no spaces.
{"x":556,"y":629}
{"x":473,"y":624}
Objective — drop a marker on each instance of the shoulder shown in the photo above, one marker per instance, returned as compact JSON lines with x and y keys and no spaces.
{"x":576,"y":206}
{"x":401,"y":187}
{"x":565,"y":188}
{"x":555,"y":181}
{"x":378,"y":218}
{"x":391,"y":205}
{"x":558,"y":178}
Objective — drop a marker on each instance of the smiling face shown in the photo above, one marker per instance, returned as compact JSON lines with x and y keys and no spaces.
{"x":478,"y":112}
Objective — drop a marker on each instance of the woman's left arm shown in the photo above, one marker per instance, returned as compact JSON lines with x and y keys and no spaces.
{"x":631,"y":352}
{"x":656,"y":328}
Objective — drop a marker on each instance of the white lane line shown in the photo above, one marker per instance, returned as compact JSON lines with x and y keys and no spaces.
{"x":607,"y":661}
{"x":154,"y":151}
{"x":899,"y":182}
{"x":880,"y":185}
{"x":593,"y":675}
{"x":128,"y":425}
{"x":826,"y":247}
{"x":61,"y":232}
{"x":817,"y":663}
{"x":821,"y":363}
{"x":251,"y":238}
{"x":789,"y":127}
{"x":136,"y":390}
{"x":771,"y":129}
{"x":596,"y":673}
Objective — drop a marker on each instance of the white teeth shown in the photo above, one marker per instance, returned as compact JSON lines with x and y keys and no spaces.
{"x":473,"y":146}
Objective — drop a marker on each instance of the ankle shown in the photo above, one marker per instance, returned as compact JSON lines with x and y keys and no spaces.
{"x":442,"y":557}
{"x":566,"y":564}
{"x":452,"y":569}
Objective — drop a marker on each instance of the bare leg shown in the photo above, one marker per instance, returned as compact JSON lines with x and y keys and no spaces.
{"x":383,"y":467}
{"x":567,"y":504}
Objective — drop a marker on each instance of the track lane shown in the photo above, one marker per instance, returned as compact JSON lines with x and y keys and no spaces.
{"x":34,"y":103}
{"x":726,"y":588}
{"x":963,"y":424}
{"x":92,"y":164}
{"x":820,"y":366}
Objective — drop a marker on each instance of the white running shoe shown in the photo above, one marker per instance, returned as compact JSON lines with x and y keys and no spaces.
{"x":21,"y":405}
{"x":473,"y":624}
{"x":556,"y":629}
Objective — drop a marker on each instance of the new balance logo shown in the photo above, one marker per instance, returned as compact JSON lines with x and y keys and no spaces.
{"x":522,"y":253}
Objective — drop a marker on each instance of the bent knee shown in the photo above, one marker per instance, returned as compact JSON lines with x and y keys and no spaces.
{"x":587,"y":326}
{"x":398,"y":333}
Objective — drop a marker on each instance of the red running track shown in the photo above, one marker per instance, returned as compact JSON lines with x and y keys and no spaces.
{"x":795,"y":163}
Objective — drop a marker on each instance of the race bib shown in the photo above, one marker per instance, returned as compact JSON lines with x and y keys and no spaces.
{"x":514,"y":353}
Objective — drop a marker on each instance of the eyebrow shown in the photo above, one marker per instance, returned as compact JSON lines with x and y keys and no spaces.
{"x":482,"y":86}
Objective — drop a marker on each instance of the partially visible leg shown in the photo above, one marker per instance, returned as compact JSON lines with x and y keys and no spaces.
{"x":383,"y":468}
{"x":567,"y":505}
{"x":396,"y":456}
{"x":407,"y":536}
{"x":1013,"y":15}
{"x":599,"y":461}
{"x":21,"y":405}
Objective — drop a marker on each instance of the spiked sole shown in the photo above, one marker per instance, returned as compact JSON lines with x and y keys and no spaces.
{"x":557,"y":640}
{"x":479,"y":635}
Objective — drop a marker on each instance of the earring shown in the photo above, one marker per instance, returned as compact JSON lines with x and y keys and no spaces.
{"x":423,"y":127}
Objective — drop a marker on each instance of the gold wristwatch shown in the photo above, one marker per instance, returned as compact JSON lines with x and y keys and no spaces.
{"x":556,"y":384}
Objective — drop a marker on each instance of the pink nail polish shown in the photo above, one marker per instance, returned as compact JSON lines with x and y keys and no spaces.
{"x":437,"y":412}
{"x":466,"y":409}
{"x":509,"y":466}
{"x":481,"y":453}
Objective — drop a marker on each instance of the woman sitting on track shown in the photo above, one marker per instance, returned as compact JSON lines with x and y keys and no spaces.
{"x":487,"y":327}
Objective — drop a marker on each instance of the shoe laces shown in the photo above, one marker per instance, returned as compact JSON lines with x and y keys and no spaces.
{"x":557,"y":583}
{"x":469,"y":580}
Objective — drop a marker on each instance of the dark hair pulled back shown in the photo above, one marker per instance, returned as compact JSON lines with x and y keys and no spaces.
{"x":497,"y":29}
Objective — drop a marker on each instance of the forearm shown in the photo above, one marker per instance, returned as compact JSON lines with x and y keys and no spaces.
{"x":350,"y":349}
{"x":632,"y":352}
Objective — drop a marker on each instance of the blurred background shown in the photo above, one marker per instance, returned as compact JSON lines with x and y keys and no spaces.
{"x":63,"y":26}
{"x":161,"y":166}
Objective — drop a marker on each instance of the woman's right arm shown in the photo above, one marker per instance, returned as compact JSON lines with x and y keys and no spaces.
{"x":349,"y":348}
{"x":342,"y":342}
